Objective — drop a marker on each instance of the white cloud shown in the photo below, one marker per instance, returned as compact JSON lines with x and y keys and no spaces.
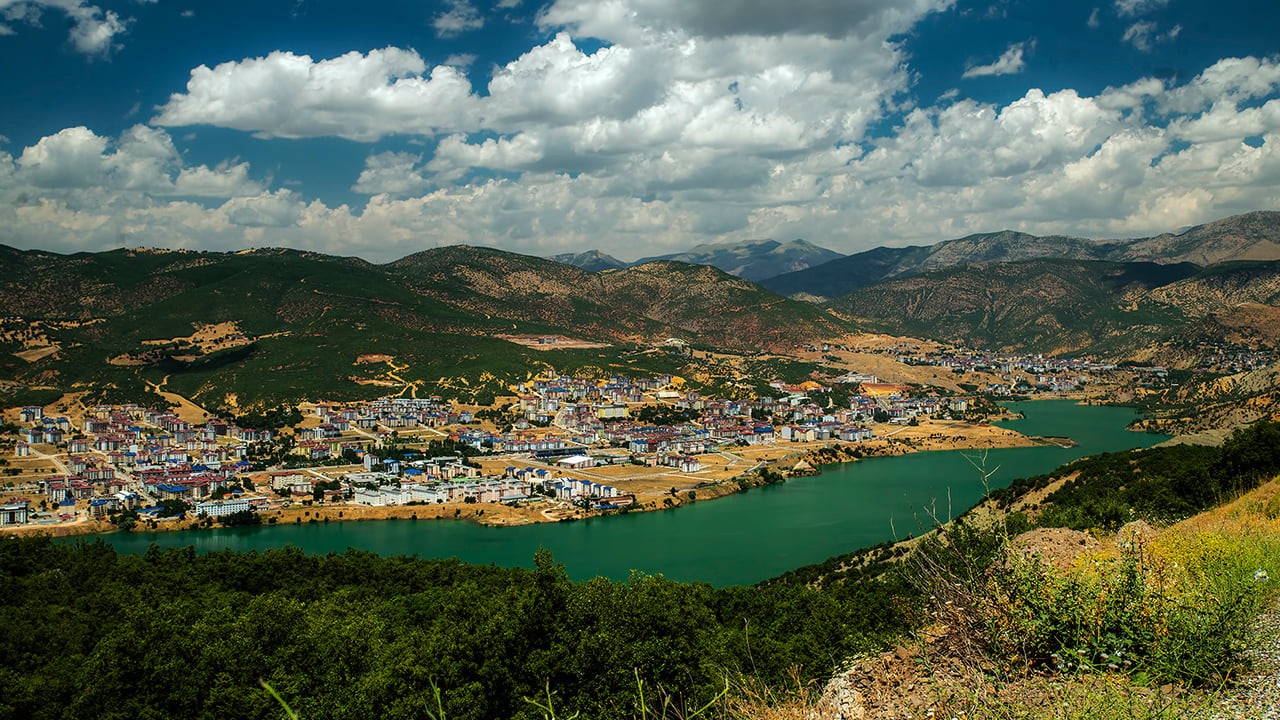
{"x":142,"y":161}
{"x":1009,"y":63}
{"x":93,"y":31}
{"x":354,"y":96}
{"x":1093,"y":20}
{"x":1134,"y":8}
{"x":686,"y":124}
{"x":1144,"y":35}
{"x":391,"y":172}
{"x":460,"y":60}
{"x":1230,"y":80}
{"x":461,"y":17}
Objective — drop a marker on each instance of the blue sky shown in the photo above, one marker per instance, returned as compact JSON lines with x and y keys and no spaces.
{"x":633,"y":126}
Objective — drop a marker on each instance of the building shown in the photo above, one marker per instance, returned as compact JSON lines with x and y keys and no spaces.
{"x":15,"y":513}
{"x":219,"y":508}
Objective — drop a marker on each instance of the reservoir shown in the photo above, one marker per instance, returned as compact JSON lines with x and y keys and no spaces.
{"x":743,"y":538}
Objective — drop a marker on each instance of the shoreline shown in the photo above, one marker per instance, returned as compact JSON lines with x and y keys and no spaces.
{"x":932,"y":435}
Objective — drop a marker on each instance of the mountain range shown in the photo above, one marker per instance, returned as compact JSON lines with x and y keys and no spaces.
{"x":1251,"y":236}
{"x":449,"y":321}
{"x":754,"y":260}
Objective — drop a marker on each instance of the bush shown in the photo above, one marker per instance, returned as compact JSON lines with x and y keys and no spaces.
{"x":1175,"y":611}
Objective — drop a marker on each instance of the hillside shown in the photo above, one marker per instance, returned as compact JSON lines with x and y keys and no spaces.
{"x":1118,"y":310}
{"x":754,"y":259}
{"x":641,"y":303}
{"x":1251,"y":236}
{"x":978,"y":619}
{"x":1049,"y":306}
{"x":272,"y":325}
{"x":716,"y":308}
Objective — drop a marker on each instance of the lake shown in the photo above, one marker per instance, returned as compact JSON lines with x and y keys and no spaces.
{"x":743,"y":538}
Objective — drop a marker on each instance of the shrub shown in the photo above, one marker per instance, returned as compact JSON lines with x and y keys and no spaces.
{"x":1175,"y":611}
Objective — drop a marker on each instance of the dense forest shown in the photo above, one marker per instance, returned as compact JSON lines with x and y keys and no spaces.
{"x":88,"y":633}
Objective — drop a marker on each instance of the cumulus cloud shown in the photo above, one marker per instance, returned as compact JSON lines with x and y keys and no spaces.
{"x":686,"y":124}
{"x":354,"y":96}
{"x":93,"y":31}
{"x":391,"y":172}
{"x":1009,"y":63}
{"x":143,"y":160}
{"x":619,"y":19}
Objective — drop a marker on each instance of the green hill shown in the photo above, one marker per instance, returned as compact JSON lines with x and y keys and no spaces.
{"x":301,"y":322}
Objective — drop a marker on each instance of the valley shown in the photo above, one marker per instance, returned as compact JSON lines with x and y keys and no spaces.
{"x":663,"y":420}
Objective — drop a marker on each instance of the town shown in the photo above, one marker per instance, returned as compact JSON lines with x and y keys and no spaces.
{"x":563,"y":447}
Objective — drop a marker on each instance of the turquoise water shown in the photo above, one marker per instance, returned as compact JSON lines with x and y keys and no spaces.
{"x":742,"y":538}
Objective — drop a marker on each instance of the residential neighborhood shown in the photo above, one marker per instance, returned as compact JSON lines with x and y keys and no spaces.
{"x":562,"y":446}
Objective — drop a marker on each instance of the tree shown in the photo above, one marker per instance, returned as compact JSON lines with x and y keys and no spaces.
{"x":173,"y":508}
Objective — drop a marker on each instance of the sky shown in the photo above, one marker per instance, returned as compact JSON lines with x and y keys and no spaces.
{"x":636,"y":127}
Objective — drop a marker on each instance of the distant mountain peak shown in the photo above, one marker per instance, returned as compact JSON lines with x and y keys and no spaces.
{"x":591,"y":260}
{"x":753,"y":260}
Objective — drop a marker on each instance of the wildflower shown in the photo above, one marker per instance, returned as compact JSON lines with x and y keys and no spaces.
{"x":1260,"y":575}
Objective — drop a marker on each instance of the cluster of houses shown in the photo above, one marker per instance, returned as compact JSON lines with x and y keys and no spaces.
{"x":172,"y":459}
{"x":1033,"y":371}
{"x":329,"y":439}
{"x":1224,"y":360}
{"x":130,"y":437}
{"x":518,"y":485}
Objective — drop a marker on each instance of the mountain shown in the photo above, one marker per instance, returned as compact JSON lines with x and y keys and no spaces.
{"x":1252,"y":236}
{"x":1049,"y":306}
{"x":646,"y":302}
{"x":851,"y":272}
{"x":1120,"y":310}
{"x":274,"y":325}
{"x":754,"y":260}
{"x":591,"y":260}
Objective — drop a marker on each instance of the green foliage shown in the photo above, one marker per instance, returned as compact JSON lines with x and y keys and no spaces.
{"x":1134,"y":614}
{"x":240,"y":518}
{"x":173,"y":508}
{"x":21,"y":397}
{"x":270,"y":419}
{"x":666,"y":415}
{"x":1160,"y":484}
{"x":174,"y":633}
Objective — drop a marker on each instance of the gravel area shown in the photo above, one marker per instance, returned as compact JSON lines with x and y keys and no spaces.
{"x":1257,"y":697}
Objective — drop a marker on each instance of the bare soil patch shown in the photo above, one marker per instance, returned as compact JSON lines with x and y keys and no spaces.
{"x":36,"y":353}
{"x":552,"y":342}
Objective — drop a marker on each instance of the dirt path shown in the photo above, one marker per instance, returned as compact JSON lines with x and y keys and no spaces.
{"x":185,"y":410}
